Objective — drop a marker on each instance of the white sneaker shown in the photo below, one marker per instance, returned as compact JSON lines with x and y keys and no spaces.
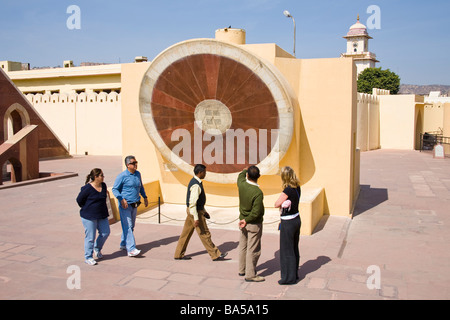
{"x":99,"y":254}
{"x":134,"y":253}
{"x":91,"y":261}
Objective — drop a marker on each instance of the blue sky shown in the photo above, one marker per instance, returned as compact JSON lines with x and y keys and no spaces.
{"x":413,"y":38}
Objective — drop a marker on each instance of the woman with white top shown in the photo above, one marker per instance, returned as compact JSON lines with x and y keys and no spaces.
{"x":288,"y":202}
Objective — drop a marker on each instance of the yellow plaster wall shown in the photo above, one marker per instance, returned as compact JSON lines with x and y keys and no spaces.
{"x":433,"y":117}
{"x":7,"y":65}
{"x":362,"y":136}
{"x":71,"y":83}
{"x":84,"y":123}
{"x":267,"y":51}
{"x":68,"y":79}
{"x":374,"y":124}
{"x":401,"y":121}
{"x":368,"y":126}
{"x":446,"y":129}
{"x":328,"y":130}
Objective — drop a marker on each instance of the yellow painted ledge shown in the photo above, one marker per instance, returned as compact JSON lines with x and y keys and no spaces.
{"x":311,"y":205}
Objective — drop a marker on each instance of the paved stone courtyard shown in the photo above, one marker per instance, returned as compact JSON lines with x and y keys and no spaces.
{"x":397,"y":246}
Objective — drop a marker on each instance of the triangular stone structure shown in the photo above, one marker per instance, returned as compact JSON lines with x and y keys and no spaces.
{"x":24,"y":136}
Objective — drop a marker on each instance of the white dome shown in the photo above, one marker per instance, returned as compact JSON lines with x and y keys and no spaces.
{"x":358,"y":25}
{"x":358,"y":29}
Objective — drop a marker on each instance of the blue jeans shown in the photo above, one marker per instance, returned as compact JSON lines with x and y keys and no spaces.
{"x":128,"y":220}
{"x":90,"y":227}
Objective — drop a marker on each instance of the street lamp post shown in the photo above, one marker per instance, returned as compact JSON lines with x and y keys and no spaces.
{"x":288,"y":15}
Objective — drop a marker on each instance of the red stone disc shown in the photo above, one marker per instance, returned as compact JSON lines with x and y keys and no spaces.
{"x":201,"y":104}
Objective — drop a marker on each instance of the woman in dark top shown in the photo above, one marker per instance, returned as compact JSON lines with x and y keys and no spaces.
{"x":94,"y":214}
{"x":289,"y":226}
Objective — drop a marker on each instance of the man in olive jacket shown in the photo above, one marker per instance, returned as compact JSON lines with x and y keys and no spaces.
{"x":251,"y":212}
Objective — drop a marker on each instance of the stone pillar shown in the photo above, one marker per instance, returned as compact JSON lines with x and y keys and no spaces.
{"x":231,"y":35}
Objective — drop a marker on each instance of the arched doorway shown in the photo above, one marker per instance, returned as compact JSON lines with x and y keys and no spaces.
{"x":15,"y":118}
{"x":15,"y":122}
{"x":12,"y":171}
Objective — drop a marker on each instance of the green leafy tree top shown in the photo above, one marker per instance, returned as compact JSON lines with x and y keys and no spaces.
{"x":376,"y":78}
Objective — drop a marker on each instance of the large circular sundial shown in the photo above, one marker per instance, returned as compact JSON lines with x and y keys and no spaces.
{"x":207,"y":101}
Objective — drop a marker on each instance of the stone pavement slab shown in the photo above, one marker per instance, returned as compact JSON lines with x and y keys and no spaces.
{"x":395,"y":247}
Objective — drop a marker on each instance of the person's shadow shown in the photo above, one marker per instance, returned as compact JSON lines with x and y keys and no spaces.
{"x":271,"y":266}
{"x":311,"y":266}
{"x":224,"y":247}
{"x":144,"y":247}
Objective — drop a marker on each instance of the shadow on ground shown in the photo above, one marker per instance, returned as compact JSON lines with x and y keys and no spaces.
{"x":369,"y":198}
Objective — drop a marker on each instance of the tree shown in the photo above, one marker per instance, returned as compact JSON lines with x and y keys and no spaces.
{"x":376,"y":78}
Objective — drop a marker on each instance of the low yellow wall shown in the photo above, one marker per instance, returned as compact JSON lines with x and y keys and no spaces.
{"x":311,"y":210}
{"x":310,"y":207}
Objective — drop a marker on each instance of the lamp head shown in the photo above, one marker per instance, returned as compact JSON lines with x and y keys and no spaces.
{"x":287,"y":14}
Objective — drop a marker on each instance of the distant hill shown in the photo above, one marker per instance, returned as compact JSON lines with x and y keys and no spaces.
{"x":424,"y":89}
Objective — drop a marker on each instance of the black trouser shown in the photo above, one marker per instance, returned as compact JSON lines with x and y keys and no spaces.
{"x":289,"y":252}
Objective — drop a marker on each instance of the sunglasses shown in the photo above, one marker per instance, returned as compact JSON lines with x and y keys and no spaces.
{"x":133,"y":163}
